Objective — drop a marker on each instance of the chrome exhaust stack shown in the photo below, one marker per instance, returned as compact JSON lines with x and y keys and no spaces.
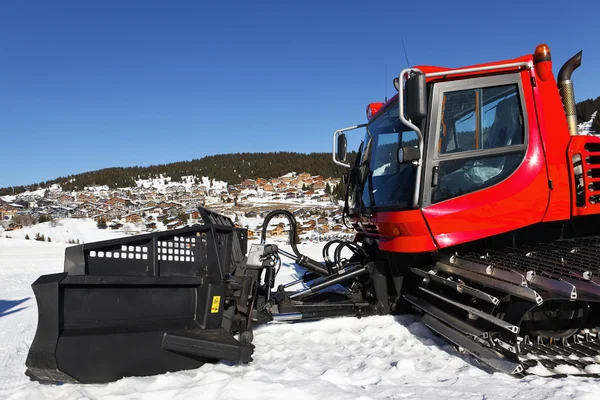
{"x":567,"y":94}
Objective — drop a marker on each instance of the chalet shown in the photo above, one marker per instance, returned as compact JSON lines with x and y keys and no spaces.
{"x":13,"y":226}
{"x":299,"y":212}
{"x":114,"y":214}
{"x":261,"y":182}
{"x":251,"y":234}
{"x":99,"y":217}
{"x":268,"y":188}
{"x":278,"y":231}
{"x":307,"y":228}
{"x":248,"y":184}
{"x":80,"y":213}
{"x":151,"y":225}
{"x":174,"y":224}
{"x":282,"y":186}
{"x":304,"y":175}
{"x":116,"y":201}
{"x":322,"y":220}
{"x":337,"y":228}
{"x":86,"y":197}
{"x":133,"y":217}
{"x":8,"y":211}
{"x":323,"y":229}
{"x":115,"y":225}
{"x":319,"y":185}
{"x":194,"y":214}
{"x":65,"y":198}
{"x":60,"y":212}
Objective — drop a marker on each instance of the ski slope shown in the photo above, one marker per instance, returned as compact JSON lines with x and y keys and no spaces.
{"x":344,"y":358}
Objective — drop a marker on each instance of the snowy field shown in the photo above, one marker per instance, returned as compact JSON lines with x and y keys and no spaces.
{"x":344,"y":358}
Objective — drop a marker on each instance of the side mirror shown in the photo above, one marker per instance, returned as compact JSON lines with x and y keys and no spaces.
{"x":408,"y":154}
{"x":342,"y":145}
{"x":416,"y":97}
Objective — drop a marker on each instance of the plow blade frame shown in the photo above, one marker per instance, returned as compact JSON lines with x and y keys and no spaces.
{"x":139,"y":306}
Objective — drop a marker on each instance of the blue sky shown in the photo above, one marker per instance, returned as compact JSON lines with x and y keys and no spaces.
{"x":89,"y":85}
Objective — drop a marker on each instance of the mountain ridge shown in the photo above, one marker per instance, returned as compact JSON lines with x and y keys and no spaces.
{"x":232,"y":168}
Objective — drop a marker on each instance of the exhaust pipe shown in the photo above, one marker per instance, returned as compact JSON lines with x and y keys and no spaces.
{"x":567,"y":94}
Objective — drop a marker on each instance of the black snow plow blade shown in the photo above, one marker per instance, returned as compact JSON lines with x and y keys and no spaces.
{"x":139,"y":306}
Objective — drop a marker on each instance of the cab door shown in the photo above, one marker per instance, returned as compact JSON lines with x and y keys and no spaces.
{"x":486,"y":172}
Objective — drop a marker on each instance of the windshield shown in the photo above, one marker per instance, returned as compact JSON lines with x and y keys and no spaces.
{"x":382,"y":181}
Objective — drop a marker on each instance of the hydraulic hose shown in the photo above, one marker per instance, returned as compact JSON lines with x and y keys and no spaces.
{"x":302,"y":260}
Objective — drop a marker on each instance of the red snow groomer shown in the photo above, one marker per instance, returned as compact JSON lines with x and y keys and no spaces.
{"x":475,"y":204}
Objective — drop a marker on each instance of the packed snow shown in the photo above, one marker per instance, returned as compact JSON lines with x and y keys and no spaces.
{"x":380,"y":357}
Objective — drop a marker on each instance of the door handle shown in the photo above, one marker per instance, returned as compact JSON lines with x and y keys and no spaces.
{"x":435,"y":176}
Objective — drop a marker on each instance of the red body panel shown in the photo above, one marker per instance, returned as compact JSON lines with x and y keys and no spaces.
{"x":554,"y":132}
{"x":518,"y":201}
{"x":413,"y":237}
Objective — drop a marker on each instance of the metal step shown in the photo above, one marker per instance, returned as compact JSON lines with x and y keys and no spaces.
{"x":484,"y":354}
{"x":460,"y":286}
{"x":474,"y":311}
{"x":457,"y":323}
{"x":507,"y":275}
{"x":522,"y":292}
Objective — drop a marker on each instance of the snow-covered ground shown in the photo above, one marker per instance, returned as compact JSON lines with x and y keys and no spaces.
{"x":344,"y":358}
{"x":66,"y":230}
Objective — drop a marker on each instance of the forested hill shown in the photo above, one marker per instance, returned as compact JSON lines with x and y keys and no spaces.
{"x":231,"y":168}
{"x":585,"y":109}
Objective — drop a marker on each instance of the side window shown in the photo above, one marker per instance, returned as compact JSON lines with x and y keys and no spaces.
{"x":480,"y":118}
{"x":473,"y":121}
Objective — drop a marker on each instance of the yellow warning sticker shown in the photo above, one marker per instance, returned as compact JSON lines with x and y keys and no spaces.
{"x":215,"y":304}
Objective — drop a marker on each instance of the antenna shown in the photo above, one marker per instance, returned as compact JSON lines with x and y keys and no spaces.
{"x":385,"y":85}
{"x":405,"y":54}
